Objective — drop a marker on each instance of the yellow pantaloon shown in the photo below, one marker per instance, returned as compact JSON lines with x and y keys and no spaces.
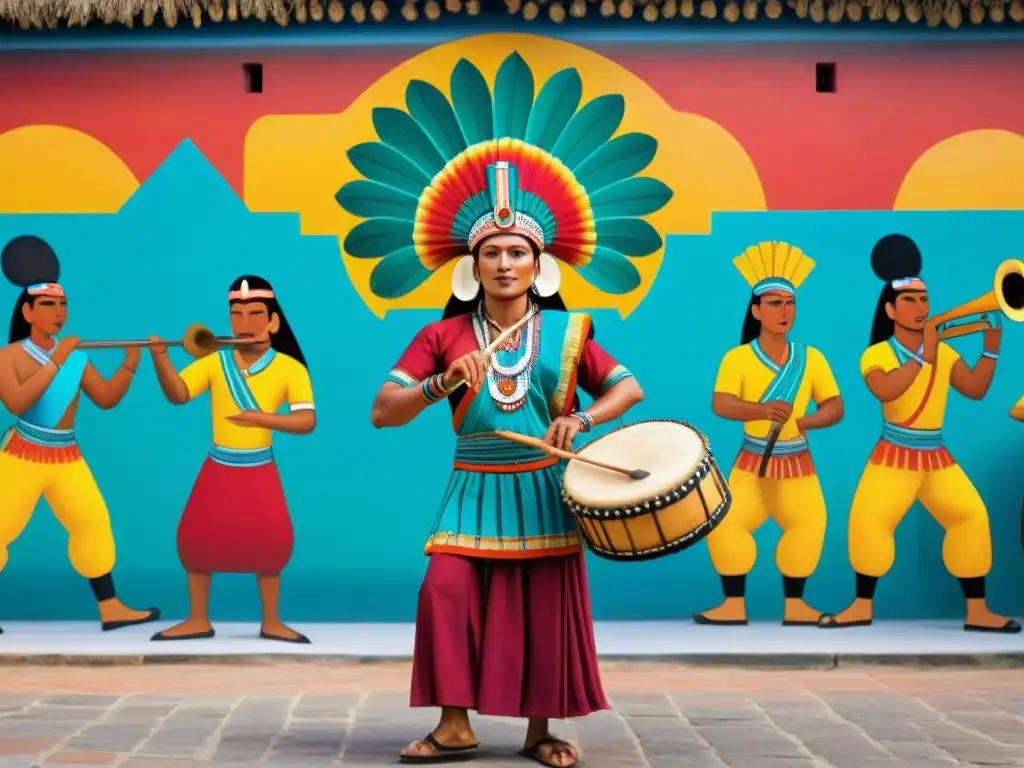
{"x":885,"y":494}
{"x":71,"y":491}
{"x":795,"y":503}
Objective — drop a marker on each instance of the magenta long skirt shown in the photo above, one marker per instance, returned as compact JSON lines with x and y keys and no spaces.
{"x":510,"y":638}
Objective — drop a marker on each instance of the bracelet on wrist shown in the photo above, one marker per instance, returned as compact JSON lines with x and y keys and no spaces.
{"x":586,"y":420}
{"x":433,"y":389}
{"x":130,"y":370}
{"x":991,"y":355}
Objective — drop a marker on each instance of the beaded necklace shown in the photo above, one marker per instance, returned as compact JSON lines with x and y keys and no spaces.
{"x":509,"y":384}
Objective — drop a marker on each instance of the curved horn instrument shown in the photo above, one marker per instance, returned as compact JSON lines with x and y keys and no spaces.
{"x":1006,"y":298}
{"x":199,"y":341}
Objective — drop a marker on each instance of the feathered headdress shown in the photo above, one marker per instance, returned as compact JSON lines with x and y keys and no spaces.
{"x":448,"y":173}
{"x":773,"y":266}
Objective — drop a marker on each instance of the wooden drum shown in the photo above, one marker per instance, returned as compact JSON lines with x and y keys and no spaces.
{"x":677,"y":505}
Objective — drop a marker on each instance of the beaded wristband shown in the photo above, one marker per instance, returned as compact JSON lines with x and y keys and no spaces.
{"x":586,"y":420}
{"x":432,"y":389}
{"x":992,"y":355}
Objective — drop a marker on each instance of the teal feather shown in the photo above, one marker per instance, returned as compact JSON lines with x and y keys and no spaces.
{"x":399,"y":131}
{"x":638,"y":196}
{"x":610,"y":271}
{"x":398,"y":273}
{"x":513,"y":97}
{"x":379,"y":162}
{"x":372,"y":238}
{"x":472,"y":209}
{"x":631,"y":237}
{"x":429,"y":107}
{"x":471,"y":99}
{"x":370,"y":199}
{"x":557,"y":102}
{"x":538,"y":211}
{"x":588,"y":129}
{"x":621,"y":158}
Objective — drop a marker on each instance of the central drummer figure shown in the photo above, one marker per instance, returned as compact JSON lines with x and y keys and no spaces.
{"x":768,"y":380}
{"x":504,"y":624}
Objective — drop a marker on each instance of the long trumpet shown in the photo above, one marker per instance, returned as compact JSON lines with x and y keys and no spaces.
{"x":199,"y":341}
{"x":1006,"y":298}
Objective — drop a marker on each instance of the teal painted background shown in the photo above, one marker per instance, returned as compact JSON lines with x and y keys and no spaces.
{"x":362,"y":500}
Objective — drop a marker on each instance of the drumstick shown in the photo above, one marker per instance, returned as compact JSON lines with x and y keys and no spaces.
{"x":491,"y":348}
{"x":634,"y":474}
{"x":773,"y":438}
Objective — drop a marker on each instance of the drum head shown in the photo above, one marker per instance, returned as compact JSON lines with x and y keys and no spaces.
{"x":669,"y":450}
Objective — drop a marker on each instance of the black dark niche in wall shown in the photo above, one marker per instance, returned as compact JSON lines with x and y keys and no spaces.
{"x":252,"y":75}
{"x":825,"y":77}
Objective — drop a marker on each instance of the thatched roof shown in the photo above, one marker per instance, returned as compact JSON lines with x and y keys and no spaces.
{"x":932,"y":13}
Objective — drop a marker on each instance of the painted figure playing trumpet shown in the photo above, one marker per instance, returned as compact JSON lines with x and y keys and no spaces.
{"x":910,"y":369}
{"x":41,"y":381}
{"x":236,"y":519}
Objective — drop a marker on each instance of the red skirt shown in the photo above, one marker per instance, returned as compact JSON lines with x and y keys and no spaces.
{"x":236,"y":521}
{"x":509,"y":638}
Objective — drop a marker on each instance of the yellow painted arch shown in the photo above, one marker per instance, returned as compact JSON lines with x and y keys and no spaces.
{"x":976,"y":170}
{"x":298,"y":162}
{"x":53,"y":169}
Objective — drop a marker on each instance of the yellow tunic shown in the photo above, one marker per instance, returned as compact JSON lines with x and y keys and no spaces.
{"x":743,"y":375}
{"x":897,"y":476}
{"x":880,"y":357}
{"x":790,"y":493}
{"x":284,"y":380}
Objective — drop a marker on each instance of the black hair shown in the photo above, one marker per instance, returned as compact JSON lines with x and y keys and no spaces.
{"x":751,"y":325}
{"x":27,"y":260}
{"x":284,"y":340}
{"x":893,"y":257}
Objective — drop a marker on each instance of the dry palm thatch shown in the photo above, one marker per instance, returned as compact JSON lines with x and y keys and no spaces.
{"x":170,"y":13}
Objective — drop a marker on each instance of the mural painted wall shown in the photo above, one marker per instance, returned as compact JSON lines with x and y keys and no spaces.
{"x":159,"y":186}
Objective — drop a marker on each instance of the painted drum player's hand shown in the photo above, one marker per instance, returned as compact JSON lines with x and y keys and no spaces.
{"x":778,"y":411}
{"x":470,"y":368}
{"x":64,"y":349}
{"x":562,"y":432}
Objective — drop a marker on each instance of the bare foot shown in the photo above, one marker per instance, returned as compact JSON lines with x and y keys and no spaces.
{"x":732,"y":611}
{"x":190,"y":629}
{"x":860,"y":613}
{"x":981,"y":619}
{"x":552,"y":752}
{"x":275,"y":630}
{"x":443,"y":740}
{"x":116,"y":615}
{"x":799,"y":613}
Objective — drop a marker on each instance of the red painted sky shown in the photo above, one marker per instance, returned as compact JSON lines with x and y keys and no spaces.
{"x":847,"y":150}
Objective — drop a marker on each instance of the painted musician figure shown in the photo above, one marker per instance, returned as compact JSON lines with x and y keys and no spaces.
{"x":768,"y":380}
{"x":41,"y":380}
{"x":236,"y":519}
{"x":910,"y":370}
{"x":504,"y":624}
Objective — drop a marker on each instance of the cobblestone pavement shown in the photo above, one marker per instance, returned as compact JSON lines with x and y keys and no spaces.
{"x":307,"y":715}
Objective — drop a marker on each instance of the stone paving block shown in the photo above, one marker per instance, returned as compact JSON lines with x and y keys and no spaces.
{"x":18,"y":761}
{"x":866,"y":762}
{"x":86,"y":700}
{"x":919,"y":751}
{"x":833,"y":749}
{"x":84,"y":757}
